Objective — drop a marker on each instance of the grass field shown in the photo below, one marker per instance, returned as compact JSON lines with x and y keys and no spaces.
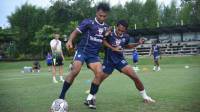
{"x":175,"y":88}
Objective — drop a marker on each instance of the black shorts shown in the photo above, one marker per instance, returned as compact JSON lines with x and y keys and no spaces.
{"x":36,"y":67}
{"x":49,"y":64}
{"x":58,"y":61}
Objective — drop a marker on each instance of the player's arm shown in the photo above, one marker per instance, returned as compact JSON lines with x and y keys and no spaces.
{"x":105,"y":43}
{"x":72,"y":37}
{"x":83,"y":26}
{"x":160,"y":53}
{"x":130,"y":46}
{"x":150,"y":52}
{"x":62,"y":55}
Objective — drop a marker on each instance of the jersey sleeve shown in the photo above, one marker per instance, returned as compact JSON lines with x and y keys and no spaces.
{"x":52,"y":43}
{"x":84,"y":25}
{"x":127,"y":40}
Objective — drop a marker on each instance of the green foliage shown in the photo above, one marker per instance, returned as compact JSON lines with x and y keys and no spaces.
{"x":27,"y":20}
{"x":169,"y":16}
{"x":190,"y":12}
{"x":150,"y":14}
{"x":31,"y":26}
{"x":134,"y":12}
{"x":41,"y":43}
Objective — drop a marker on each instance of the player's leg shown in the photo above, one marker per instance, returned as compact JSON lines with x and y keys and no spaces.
{"x":49,"y":64}
{"x":96,"y":67}
{"x":54,"y":73}
{"x":61,"y":73}
{"x":60,"y":63}
{"x":127,"y":70}
{"x":158,"y":64}
{"x":99,"y":78}
{"x":155,"y":63}
{"x":70,"y":78}
{"x":77,"y":64}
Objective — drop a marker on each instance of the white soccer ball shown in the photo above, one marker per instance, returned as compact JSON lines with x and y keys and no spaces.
{"x":59,"y":105}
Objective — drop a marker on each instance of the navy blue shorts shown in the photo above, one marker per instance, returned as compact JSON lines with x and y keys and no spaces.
{"x":88,"y":58}
{"x":156,"y":57}
{"x":109,"y":66}
{"x":135,"y":61}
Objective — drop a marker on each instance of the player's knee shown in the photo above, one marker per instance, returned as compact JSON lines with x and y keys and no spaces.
{"x":74,"y":72}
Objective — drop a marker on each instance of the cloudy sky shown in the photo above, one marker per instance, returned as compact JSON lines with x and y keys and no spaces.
{"x":8,"y":6}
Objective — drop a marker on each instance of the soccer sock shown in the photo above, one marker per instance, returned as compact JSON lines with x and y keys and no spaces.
{"x":66,"y":86}
{"x":54,"y":78}
{"x":154,"y":68}
{"x":93,"y":90}
{"x":143,"y":94}
{"x":61,"y":77}
{"x":90,"y":96}
{"x":94,"y":96}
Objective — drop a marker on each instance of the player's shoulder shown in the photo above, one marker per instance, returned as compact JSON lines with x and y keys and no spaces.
{"x":106,"y":25}
{"x":52,"y":40}
{"x":87,"y":20}
{"x":126,"y":36}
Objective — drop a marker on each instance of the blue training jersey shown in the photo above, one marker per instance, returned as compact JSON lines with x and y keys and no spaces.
{"x":115,"y":41}
{"x":135,"y":55}
{"x":49,"y":58}
{"x":92,"y":36}
{"x":155,"y":50}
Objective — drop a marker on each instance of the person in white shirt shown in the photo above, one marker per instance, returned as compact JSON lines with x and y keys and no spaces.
{"x":56,"y":47}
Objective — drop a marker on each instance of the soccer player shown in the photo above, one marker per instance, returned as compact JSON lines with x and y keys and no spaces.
{"x":114,"y":59}
{"x":156,"y":55}
{"x":36,"y":66}
{"x":49,"y":61}
{"x":91,"y":41}
{"x":56,"y":47}
{"x":135,"y":59}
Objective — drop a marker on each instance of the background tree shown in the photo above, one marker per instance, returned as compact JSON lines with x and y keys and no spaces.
{"x":34,"y":25}
{"x":190,"y":11}
{"x":133,"y":10}
{"x":150,"y":14}
{"x":26,"y":20}
{"x":169,"y":16}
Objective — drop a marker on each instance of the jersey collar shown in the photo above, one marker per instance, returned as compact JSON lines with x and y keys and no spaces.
{"x":98,"y":21}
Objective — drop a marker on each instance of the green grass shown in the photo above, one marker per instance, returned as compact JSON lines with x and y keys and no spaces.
{"x":175,"y":88}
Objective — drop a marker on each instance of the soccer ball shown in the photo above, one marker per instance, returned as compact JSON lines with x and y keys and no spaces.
{"x":59,"y":105}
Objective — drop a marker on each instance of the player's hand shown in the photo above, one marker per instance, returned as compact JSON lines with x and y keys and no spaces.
{"x":63,"y":57}
{"x":108,"y":32}
{"x":69,"y":45}
{"x":141,"y":41}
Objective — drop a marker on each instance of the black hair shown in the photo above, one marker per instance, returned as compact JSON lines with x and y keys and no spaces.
{"x":123,"y":23}
{"x":56,"y":31}
{"x":103,"y":6}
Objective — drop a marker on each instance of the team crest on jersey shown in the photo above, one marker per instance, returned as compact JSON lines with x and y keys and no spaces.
{"x":117,"y":42}
{"x":105,"y":28}
{"x":100,"y":31}
{"x":123,"y":40}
